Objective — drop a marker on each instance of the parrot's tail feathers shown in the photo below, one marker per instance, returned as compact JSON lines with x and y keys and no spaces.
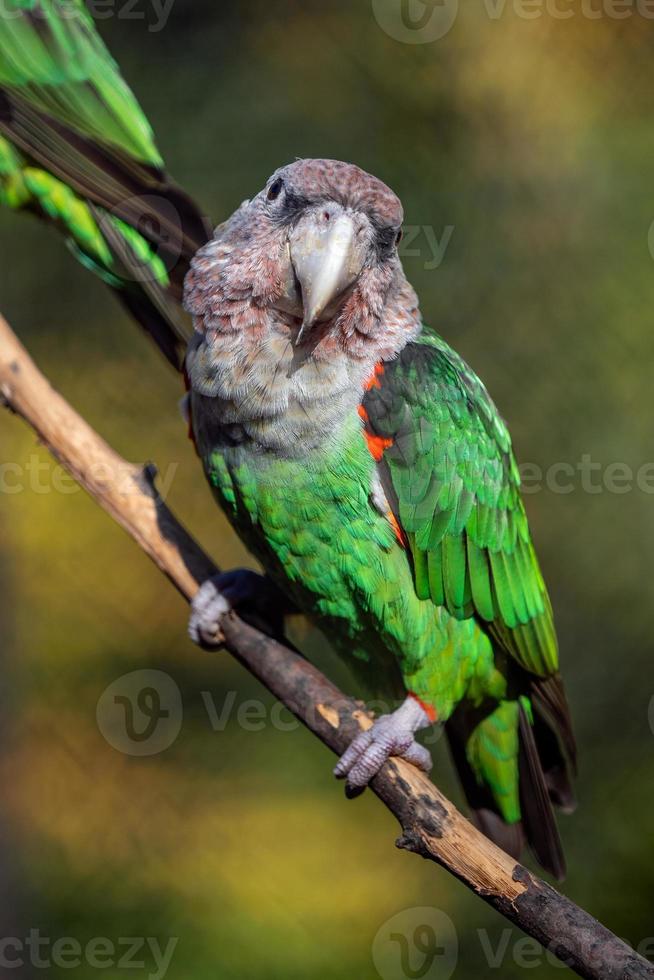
{"x":157,"y":326}
{"x":139,"y":193}
{"x":151,"y":227}
{"x":556,"y":751}
{"x":146,"y":297}
{"x":549,"y":700}
{"x":538,"y":818}
{"x":481,"y":802}
{"x":512,"y":773}
{"x":509,"y":836}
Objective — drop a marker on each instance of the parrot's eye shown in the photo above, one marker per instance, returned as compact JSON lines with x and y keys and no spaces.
{"x":275,"y":189}
{"x":399,"y":237}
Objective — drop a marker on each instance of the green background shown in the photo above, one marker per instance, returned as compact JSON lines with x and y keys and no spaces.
{"x":533,"y":138}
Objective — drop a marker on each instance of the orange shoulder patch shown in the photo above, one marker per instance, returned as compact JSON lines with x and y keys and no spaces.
{"x":373,"y":380}
{"x":376,"y":447}
{"x":376,"y":444}
{"x":399,"y":533}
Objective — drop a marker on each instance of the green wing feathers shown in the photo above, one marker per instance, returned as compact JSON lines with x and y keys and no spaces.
{"x":77,"y":150}
{"x":456,"y":487}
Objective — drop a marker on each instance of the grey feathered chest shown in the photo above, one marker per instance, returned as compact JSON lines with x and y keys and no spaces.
{"x":267,"y":396}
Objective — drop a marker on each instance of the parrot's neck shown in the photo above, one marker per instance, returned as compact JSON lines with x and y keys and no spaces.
{"x":266,"y":399}
{"x":254,"y":387}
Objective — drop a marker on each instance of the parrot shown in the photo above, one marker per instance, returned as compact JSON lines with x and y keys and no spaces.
{"x":359,"y":458}
{"x":365,"y":466}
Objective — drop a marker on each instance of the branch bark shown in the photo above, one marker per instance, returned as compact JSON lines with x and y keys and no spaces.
{"x":430,"y":824}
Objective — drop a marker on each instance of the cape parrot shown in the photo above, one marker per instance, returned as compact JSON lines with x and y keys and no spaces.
{"x":360,"y":459}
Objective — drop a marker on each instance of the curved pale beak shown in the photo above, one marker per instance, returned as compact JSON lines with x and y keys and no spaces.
{"x":327,"y":257}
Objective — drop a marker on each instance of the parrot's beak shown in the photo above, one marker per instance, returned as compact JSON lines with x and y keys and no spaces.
{"x":327,"y":257}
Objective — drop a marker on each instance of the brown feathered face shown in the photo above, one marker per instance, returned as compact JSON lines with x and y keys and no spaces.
{"x":313,"y":255}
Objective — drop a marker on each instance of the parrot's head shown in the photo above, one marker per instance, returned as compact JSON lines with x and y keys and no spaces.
{"x":335,"y":231}
{"x":311,"y":260}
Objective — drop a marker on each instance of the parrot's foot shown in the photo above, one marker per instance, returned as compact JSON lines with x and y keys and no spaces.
{"x":241,"y":589}
{"x":208,"y":606}
{"x":390,"y":735}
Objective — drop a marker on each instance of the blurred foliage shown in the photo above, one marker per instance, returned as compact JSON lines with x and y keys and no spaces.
{"x":533,"y":139}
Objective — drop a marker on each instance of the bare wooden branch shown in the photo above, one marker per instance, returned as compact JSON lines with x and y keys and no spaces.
{"x":430,"y":825}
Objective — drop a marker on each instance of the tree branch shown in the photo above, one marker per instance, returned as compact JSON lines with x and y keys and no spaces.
{"x":431,"y":826}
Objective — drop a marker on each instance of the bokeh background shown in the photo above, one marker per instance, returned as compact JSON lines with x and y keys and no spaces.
{"x":532,"y":140}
